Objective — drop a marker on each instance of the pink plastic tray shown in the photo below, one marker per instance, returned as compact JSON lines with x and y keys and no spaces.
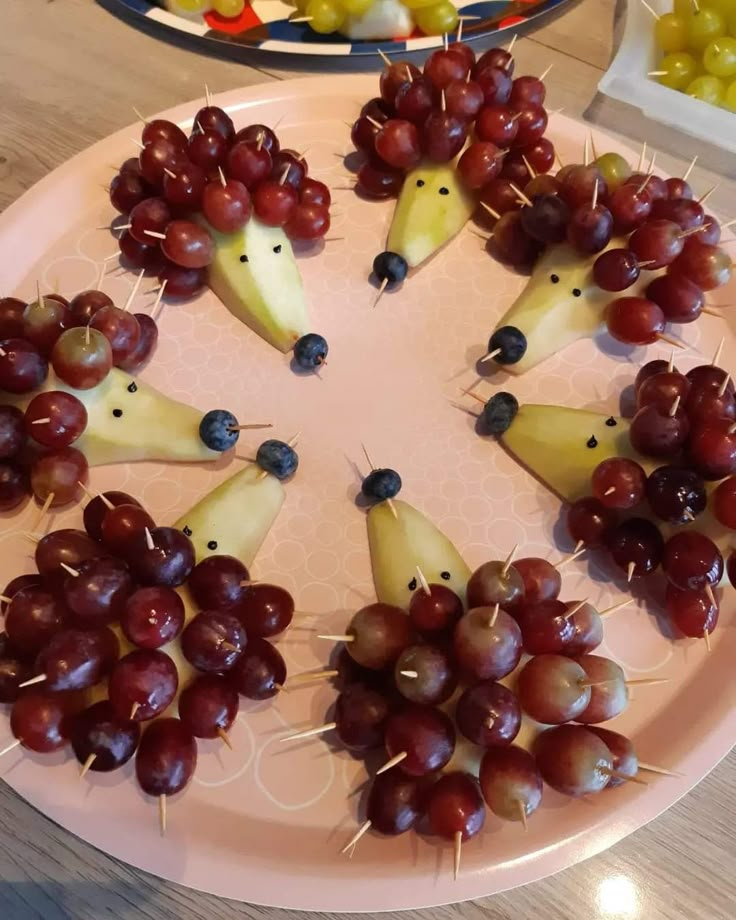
{"x":265,"y":822}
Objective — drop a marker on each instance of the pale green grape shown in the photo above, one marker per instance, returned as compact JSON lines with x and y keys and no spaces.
{"x":614,"y":169}
{"x":707,"y":89}
{"x":325,"y":16}
{"x":437,"y":19}
{"x":670,"y":33}
{"x":704,"y":26}
{"x":680,"y":69}
{"x":719,"y":57}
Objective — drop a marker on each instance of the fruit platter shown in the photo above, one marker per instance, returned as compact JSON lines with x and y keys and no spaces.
{"x":368,"y":487}
{"x":348,"y":27}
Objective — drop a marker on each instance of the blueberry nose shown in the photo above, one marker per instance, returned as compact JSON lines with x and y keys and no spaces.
{"x":390,"y":266}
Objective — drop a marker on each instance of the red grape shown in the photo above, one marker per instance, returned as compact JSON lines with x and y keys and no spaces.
{"x":364,"y":131}
{"x":573,"y":760}
{"x":464,"y":99}
{"x":629,"y":207}
{"x":13,"y":486}
{"x":579,"y":185}
{"x":455,"y":806}
{"x":166,"y":758}
{"x":381,"y":633}
{"x":43,"y":322}
{"x":378,"y":181}
{"x":394,"y":76}
{"x":590,"y":228}
{"x":291,"y":166}
{"x":542,"y":581}
{"x":261,"y":136}
{"x":76,"y":659}
{"x":705,"y":403}
{"x":227,"y":207}
{"x":443,"y":67}
{"x":308,"y":222}
{"x":360,"y":717}
{"x":691,"y":561}
{"x":162,"y":129}
{"x":137,"y":255}
{"x":248,"y":164}
{"x":424,"y":674}
{"x":625,"y":761}
{"x":544,"y":627}
{"x":121,"y":527}
{"x":185,"y":187}
{"x":495,"y":85}
{"x":435,"y":613}
{"x":488,"y":714}
{"x":101,"y":739}
{"x":40,"y":720}
{"x":636,"y":546}
{"x":96,"y":510}
{"x":680,"y":300}
{"x":609,"y":694}
{"x":213,"y":641}
{"x":11,"y":589}
{"x":443,"y":136}
{"x":723,"y":503}
{"x":588,"y":627}
{"x":182,"y":282}
{"x":158,"y":156}
{"x":33,"y":617}
{"x":678,"y":188}
{"x":551,"y":689}
{"x":494,"y":583}
{"x":616,"y":270}
{"x":22,"y":367}
{"x":589,"y":521}
{"x":150,"y":216}
{"x":13,"y":673}
{"x":82,"y":358}
{"x":707,"y":266}
{"x":213,"y":118}
{"x":511,"y":783}
{"x":712,"y":449}
{"x":657,"y":243}
{"x":314,"y":192}
{"x":634,"y":320}
{"x":12,"y":431}
{"x":395,"y":803}
{"x":693,"y":612}
{"x":207,"y":149}
{"x":496,"y":57}
{"x":208,"y":706}
{"x":126,"y":191}
{"x":152,"y":617}
{"x":532,"y":125}
{"x":11,"y":318}
{"x":98,"y":592}
{"x":684,"y":212}
{"x":486,"y":651}
{"x":511,"y":243}
{"x":188,"y":245}
{"x":274,"y":203}
{"x":479,"y":164}
{"x":650,"y":369}
{"x":425,"y":735}
{"x":528,"y":89}
{"x":215,"y":582}
{"x":121,"y":330}
{"x":260,"y":672}
{"x":168,"y":562}
{"x":264,"y":610}
{"x":141,"y":354}
{"x":619,"y":483}
{"x":676,"y":494}
{"x":142,"y":684}
{"x":84,"y":306}
{"x":56,"y":477}
{"x":497,"y":125}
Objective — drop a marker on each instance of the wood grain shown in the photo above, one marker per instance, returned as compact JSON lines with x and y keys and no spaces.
{"x":69,"y":71}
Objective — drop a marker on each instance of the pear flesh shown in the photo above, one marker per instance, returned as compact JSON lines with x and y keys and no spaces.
{"x":433,"y":207}
{"x":400,"y":544}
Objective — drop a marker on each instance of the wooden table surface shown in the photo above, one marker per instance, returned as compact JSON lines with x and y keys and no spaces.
{"x":69,"y":72}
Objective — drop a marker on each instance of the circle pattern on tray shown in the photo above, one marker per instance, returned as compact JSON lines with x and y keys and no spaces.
{"x":264,"y":24}
{"x":263,"y":807}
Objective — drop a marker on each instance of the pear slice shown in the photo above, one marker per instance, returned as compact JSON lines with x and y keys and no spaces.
{"x":433,"y":207}
{"x":399,"y":544}
{"x":255,"y":275}
{"x":150,"y":426}
{"x":235,"y":518}
{"x":563,"y":446}
{"x":555,"y":313}
{"x":384,"y":19}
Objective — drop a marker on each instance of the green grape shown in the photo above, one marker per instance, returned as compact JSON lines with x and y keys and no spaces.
{"x":614,"y":169}
{"x":729,"y":100}
{"x":356,"y":7}
{"x":326,"y":16}
{"x":680,"y":69}
{"x":192,"y":6}
{"x":732,"y":24}
{"x":437,"y":19}
{"x":683,"y":8}
{"x":670,"y":33}
{"x":418,"y":4}
{"x":707,"y":89}
{"x":724,"y":7}
{"x":228,"y":9}
{"x":720,"y":57}
{"x":704,"y":26}
{"x":301,"y":6}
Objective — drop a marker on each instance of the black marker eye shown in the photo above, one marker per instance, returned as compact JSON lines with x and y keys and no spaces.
{"x":420,"y":183}
{"x":412,"y":584}
{"x":117,"y":413}
{"x":576,"y":292}
{"x":445,"y":576}
{"x":277,"y":248}
{"x":555,"y":279}
{"x":592,"y":441}
{"x":133,"y":387}
{"x":187,"y":530}
{"x":212,"y":545}
{"x":444,"y":191}
{"x":611,"y":422}
{"x":244,"y":258}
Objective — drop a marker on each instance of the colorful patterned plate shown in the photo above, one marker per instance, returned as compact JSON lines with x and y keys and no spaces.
{"x":265,"y":822}
{"x":265,"y":24}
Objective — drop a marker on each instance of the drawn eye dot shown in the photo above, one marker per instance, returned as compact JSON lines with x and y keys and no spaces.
{"x":244,"y":258}
{"x":576,"y":292}
{"x":277,"y":248}
{"x":445,"y":576}
{"x":117,"y":413}
{"x":133,"y":387}
{"x":444,"y":191}
{"x":420,"y":183}
{"x":412,"y":584}
{"x":212,"y":545}
{"x":187,"y":530}
{"x":555,"y":279}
